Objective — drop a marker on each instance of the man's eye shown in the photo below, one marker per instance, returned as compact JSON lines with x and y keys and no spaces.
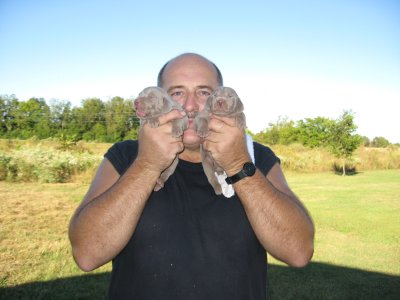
{"x":177,"y":94}
{"x":204,"y":93}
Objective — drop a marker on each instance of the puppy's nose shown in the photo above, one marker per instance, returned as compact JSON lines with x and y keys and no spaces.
{"x":220,"y":103}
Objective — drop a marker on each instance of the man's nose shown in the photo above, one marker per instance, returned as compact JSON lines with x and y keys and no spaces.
{"x":191,"y":103}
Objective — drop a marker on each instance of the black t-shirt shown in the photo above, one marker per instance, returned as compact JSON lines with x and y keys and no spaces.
{"x":190,"y":243}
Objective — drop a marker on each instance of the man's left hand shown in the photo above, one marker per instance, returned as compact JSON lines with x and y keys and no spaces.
{"x":227,"y":144}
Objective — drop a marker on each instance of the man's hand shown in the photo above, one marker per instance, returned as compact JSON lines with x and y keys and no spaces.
{"x":157,"y":147}
{"x":227,"y":144}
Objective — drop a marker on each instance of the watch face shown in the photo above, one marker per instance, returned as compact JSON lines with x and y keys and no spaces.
{"x":249,"y":169}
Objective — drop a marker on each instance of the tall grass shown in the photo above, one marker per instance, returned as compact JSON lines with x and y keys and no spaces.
{"x":48,"y":161}
{"x":299,"y":158}
{"x":44,"y":162}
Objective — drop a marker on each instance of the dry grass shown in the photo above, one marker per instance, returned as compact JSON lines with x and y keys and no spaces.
{"x":302,"y":159}
{"x":34,"y":221}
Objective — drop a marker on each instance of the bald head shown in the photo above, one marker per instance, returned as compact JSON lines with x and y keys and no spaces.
{"x":188,"y":57}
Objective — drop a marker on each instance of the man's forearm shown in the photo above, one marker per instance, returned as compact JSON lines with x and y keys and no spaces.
{"x":102,"y":227}
{"x":280,"y":222}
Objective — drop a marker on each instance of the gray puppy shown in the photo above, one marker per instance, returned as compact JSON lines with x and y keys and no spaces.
{"x":152,"y":103}
{"x":222,"y":102}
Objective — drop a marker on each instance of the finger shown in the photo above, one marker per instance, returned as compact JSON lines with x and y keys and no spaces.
{"x":213,"y":137}
{"x":178,"y":146}
{"x":217,"y":125}
{"x":172,"y":115}
{"x":227,"y":120}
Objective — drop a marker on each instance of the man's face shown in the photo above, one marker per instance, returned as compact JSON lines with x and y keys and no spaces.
{"x":189,"y":80}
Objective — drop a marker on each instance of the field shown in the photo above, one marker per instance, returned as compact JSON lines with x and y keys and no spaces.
{"x":357,"y":246}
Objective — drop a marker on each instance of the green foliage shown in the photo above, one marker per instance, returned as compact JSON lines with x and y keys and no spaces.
{"x":282,"y":132}
{"x":67,"y":142}
{"x":380,"y":142}
{"x":43,"y":164}
{"x":115,"y":120}
{"x":336,"y":135}
{"x":314,"y":132}
{"x":341,"y":141}
{"x":365,"y":141}
{"x":94,"y":120}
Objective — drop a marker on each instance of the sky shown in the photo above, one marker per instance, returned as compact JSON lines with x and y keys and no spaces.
{"x":286,"y":59}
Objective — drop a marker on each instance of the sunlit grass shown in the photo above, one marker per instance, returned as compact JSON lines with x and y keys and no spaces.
{"x":356,"y":217}
{"x":34,"y":220}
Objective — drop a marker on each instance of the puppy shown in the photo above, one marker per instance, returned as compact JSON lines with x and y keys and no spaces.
{"x":151,"y":103}
{"x":222,"y":102}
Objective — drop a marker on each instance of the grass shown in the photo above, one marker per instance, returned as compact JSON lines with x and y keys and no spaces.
{"x":33,"y":237}
{"x":357,"y":245}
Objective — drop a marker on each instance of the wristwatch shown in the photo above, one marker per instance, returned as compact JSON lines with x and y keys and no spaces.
{"x":249,"y":169}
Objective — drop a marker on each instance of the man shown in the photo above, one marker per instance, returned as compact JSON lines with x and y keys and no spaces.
{"x":185,"y":242}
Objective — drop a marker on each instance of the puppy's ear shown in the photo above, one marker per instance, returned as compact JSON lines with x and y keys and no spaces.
{"x":239,"y":105}
{"x":167,"y":104}
{"x":209,"y":102}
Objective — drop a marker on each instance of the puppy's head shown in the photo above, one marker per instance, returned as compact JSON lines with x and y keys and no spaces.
{"x":224,"y":101}
{"x":152,"y":101}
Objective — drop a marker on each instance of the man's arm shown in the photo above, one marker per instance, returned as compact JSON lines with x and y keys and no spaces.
{"x":278,"y":218}
{"x":107,"y":217}
{"x":280,"y":221}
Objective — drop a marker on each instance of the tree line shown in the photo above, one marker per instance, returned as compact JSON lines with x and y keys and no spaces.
{"x":94,"y":120}
{"x":115,"y":120}
{"x":315,"y":132}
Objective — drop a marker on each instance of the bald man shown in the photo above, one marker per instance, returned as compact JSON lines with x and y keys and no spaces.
{"x":184,"y":241}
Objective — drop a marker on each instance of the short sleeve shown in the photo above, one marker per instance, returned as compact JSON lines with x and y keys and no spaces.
{"x":122,"y":154}
{"x":265,"y":158}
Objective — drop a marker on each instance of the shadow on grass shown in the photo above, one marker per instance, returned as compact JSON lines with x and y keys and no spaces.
{"x":316,"y":281}
{"x":324,"y":281}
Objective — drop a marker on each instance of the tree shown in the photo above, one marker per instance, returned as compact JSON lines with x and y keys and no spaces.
{"x":33,"y":118}
{"x":119,"y":118}
{"x":282,"y":132}
{"x":9,"y":108}
{"x":84,"y":119}
{"x":341,"y":141}
{"x":366,"y":141}
{"x":380,"y":142}
{"x":314,"y":132}
{"x":60,"y":115}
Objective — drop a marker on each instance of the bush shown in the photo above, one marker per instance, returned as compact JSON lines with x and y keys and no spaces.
{"x":43,"y":164}
{"x":349,"y":169}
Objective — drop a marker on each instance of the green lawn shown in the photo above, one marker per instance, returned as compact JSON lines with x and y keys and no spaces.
{"x":357,"y":249}
{"x":357,"y":245}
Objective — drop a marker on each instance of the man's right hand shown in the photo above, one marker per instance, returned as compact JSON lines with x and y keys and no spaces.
{"x":157,"y":147}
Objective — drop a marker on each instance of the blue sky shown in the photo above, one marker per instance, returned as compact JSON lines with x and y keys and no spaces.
{"x":294,"y":59}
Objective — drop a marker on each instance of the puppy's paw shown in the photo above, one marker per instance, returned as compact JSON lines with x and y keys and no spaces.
{"x":159,"y":185}
{"x":202,"y":131}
